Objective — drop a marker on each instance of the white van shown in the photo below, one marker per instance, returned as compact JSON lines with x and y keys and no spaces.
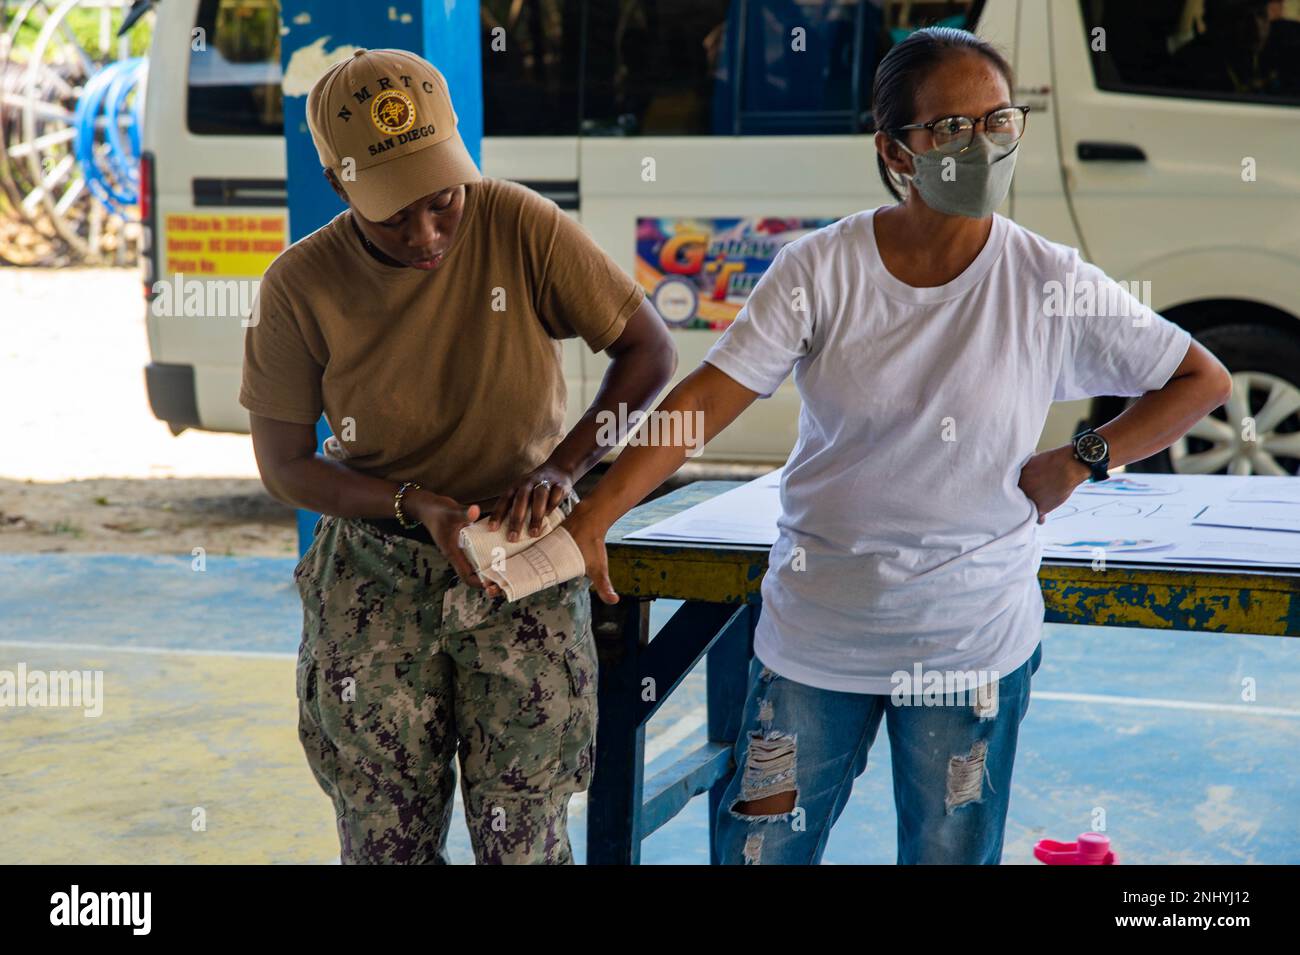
{"x":1162,"y":143}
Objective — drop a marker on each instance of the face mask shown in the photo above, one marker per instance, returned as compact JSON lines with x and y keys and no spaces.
{"x":970,"y":183}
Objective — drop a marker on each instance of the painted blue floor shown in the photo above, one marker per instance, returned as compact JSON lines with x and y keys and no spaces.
{"x":1148,"y":729}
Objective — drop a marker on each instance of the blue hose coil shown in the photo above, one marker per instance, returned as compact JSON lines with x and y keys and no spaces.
{"x":110,"y":164}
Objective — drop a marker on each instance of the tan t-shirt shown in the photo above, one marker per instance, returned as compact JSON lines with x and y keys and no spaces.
{"x":451,"y":378}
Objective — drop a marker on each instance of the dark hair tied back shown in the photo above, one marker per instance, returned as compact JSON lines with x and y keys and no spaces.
{"x":893,"y":94}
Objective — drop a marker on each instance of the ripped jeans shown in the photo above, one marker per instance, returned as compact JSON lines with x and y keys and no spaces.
{"x":952,"y":770}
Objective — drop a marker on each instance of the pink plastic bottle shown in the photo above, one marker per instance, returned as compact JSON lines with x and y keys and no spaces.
{"x":1092,"y":849}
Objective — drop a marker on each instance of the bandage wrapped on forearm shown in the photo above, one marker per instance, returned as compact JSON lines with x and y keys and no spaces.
{"x":523,"y":567}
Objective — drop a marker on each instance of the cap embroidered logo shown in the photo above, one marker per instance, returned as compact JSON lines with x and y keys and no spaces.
{"x":392,"y":112}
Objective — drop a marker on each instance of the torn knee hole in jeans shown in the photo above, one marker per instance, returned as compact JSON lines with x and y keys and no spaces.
{"x":767,"y":788}
{"x":966,"y":777}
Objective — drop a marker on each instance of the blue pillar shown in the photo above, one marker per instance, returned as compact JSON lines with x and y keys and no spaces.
{"x":444,"y":32}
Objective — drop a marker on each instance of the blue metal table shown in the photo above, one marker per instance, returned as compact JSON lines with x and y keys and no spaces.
{"x":720,"y":586}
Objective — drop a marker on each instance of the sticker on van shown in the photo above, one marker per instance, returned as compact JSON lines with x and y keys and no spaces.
{"x":699,"y":272}
{"x":222,"y":244}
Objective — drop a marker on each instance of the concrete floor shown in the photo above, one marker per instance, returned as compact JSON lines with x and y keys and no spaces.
{"x":199,"y":716}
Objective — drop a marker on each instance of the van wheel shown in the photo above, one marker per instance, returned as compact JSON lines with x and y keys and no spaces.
{"x":1265,"y":367}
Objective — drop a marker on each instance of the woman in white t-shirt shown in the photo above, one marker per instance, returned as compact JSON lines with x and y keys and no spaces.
{"x":927,"y":341}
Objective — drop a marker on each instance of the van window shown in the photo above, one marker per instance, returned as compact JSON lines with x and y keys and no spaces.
{"x":234,"y":79}
{"x":802,"y":72}
{"x":744,"y":67}
{"x":653,"y":67}
{"x":1243,"y":50}
{"x":531,"y":52}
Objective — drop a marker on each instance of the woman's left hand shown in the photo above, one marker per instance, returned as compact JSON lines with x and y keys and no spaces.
{"x":532,"y":497}
{"x":1050,"y":477}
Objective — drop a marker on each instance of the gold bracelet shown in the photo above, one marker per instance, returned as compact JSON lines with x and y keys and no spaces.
{"x":397,"y":505}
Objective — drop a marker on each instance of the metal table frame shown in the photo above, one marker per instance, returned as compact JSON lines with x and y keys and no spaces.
{"x":721,"y":586}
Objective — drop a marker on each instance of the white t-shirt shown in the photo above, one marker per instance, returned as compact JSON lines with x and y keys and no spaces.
{"x":904,"y":538}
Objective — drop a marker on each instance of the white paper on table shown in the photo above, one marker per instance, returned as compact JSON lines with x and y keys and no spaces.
{"x":1085,"y":548}
{"x":1173,"y":511}
{"x":745,"y":515}
{"x":1265,"y":517}
{"x":1158,"y":522}
{"x":1241,"y":552}
{"x":1120,"y":509}
{"x":1125,"y":485}
{"x":1266,"y":488}
{"x":1170,"y":519}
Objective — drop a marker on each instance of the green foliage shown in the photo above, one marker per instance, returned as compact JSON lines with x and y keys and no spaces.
{"x":84,"y":24}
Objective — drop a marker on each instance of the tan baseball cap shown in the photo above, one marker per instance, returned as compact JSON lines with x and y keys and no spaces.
{"x":390,"y":113}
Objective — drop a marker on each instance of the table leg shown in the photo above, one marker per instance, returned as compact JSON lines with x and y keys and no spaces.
{"x":727,"y":672}
{"x":614,"y":801}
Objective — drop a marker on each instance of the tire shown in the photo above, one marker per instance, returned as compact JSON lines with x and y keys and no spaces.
{"x":1257,"y":355}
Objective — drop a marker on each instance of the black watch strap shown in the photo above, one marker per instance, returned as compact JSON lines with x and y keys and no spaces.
{"x":1099,"y":469}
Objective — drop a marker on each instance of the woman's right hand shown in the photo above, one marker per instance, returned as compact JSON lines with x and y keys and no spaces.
{"x":588,"y":532}
{"x":444,"y":517}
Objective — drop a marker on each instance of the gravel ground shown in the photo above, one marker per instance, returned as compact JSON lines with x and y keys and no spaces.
{"x":84,"y":465}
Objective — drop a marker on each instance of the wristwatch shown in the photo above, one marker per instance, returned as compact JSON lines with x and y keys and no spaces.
{"x":1092,"y":449}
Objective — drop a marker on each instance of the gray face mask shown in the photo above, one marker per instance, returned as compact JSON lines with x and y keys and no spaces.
{"x":970,"y":183}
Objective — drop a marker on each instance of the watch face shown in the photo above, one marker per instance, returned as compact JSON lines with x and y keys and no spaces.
{"x":1091,"y":448}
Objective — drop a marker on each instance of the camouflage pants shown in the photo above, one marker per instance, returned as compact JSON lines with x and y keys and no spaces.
{"x":402,"y":669}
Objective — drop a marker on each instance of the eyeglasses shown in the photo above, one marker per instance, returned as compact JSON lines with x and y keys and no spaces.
{"x":952,"y":134}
